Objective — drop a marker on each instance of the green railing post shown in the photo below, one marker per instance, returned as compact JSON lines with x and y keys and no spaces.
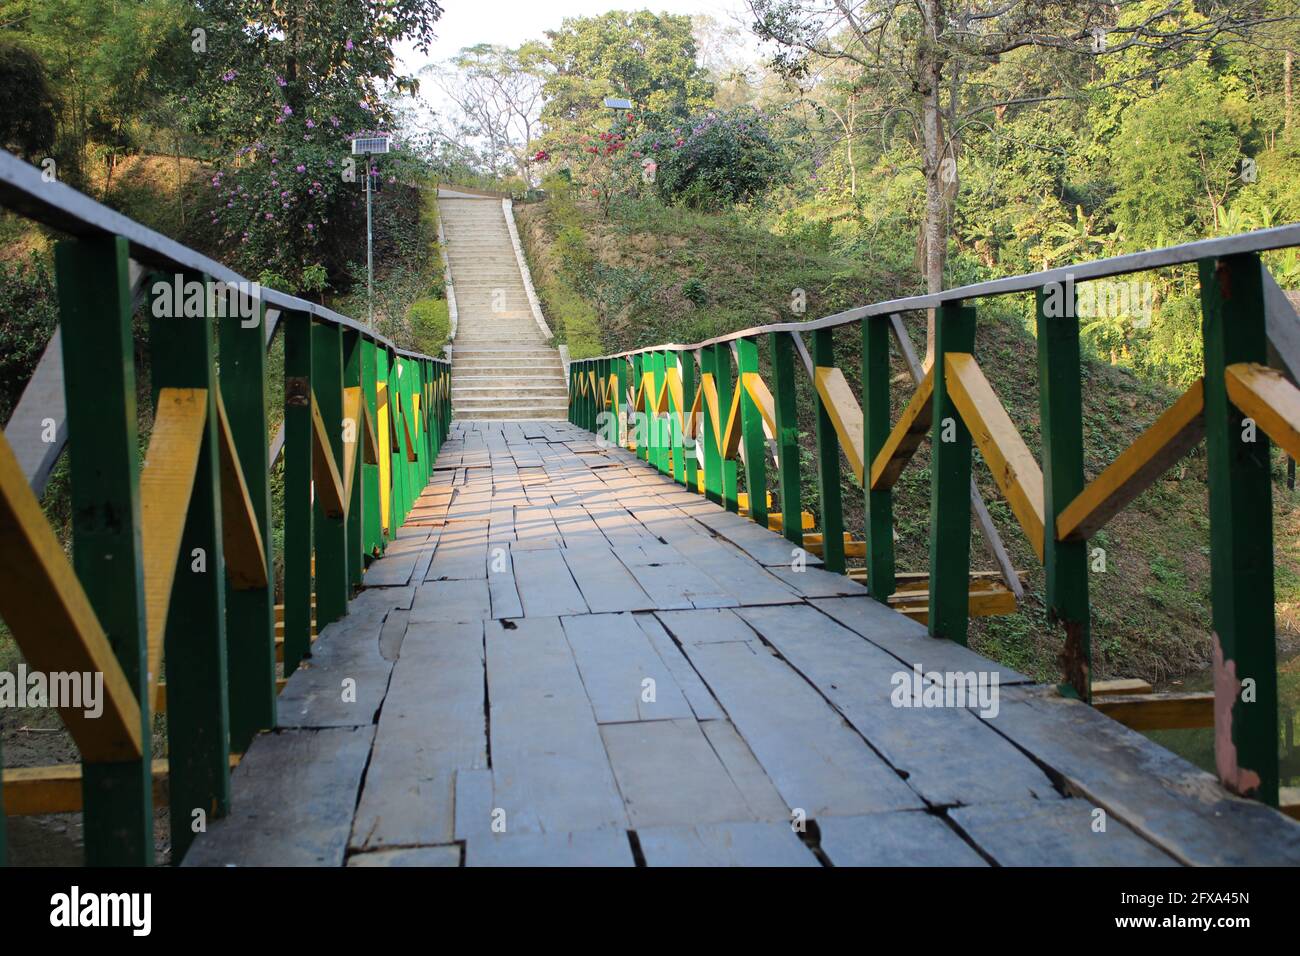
{"x":94,"y":295}
{"x":331,"y":533}
{"x":641,"y":419}
{"x":659,"y":437}
{"x":787,"y":436}
{"x":620,"y":410}
{"x":722,"y":373}
{"x":387,"y":523}
{"x":1241,"y":536}
{"x":876,"y":425}
{"x":673,"y":425}
{"x":194,"y":646}
{"x":691,"y":464}
{"x":354,"y":531}
{"x":370,"y":513}
{"x":297,"y":489}
{"x":752,"y":438}
{"x":712,"y":446}
{"x":828,"y":462}
{"x":250,"y":612}
{"x":1065,"y":563}
{"x":950,"y":472}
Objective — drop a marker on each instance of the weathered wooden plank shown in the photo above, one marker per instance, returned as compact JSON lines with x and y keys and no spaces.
{"x":474,"y":802}
{"x":295,"y":791}
{"x":670,"y":775}
{"x":764,"y":546}
{"x":1053,"y":833}
{"x":461,"y":552}
{"x":347,"y":680}
{"x":911,"y":429}
{"x":1160,"y":711}
{"x":725,"y":844}
{"x":750,"y":779}
{"x":583,"y":848}
{"x":669,"y":580}
{"x":451,"y":602}
{"x":949,"y":754}
{"x":546,"y":588}
{"x":392,"y":634}
{"x":816,"y":762}
{"x":605,"y":584}
{"x":906,"y":838}
{"x":908,"y":641}
{"x":550,"y":769}
{"x":616,"y":660}
{"x":431,"y":727}
{"x":702,"y":702}
{"x":1182,"y":810}
{"x":421,"y":856}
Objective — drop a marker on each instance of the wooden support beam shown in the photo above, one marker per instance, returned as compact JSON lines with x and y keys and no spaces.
{"x":751,"y":395}
{"x":1119,"y":686}
{"x":240,"y":534}
{"x":1265,"y":395}
{"x":325,"y":473}
{"x":911,"y":429}
{"x":726,"y":395}
{"x":846,"y":416}
{"x":35,"y":791}
{"x":1159,"y":711}
{"x":1012,"y":465}
{"x":986,"y":599}
{"x":166,"y":483}
{"x":352,"y":414}
{"x":1170,"y":437}
{"x":51,"y":620}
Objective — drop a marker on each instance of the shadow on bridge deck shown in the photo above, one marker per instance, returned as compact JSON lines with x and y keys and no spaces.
{"x":566,"y":658}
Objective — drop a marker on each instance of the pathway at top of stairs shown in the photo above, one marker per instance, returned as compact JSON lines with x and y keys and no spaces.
{"x":502,"y":365}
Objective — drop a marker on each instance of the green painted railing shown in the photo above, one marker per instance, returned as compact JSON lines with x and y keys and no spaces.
{"x":688,"y":409}
{"x":172,"y":565}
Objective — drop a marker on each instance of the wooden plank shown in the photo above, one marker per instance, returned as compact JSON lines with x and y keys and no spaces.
{"x":669,"y":580}
{"x":1266,"y":396}
{"x":1123,"y":685}
{"x":1182,"y":810}
{"x":417,"y":856}
{"x":550,"y":769}
{"x":912,"y":428}
{"x":751,"y":780}
{"x":297,"y":790}
{"x":669,"y":774}
{"x":1170,"y":437}
{"x":846,"y":416}
{"x":346,"y":682}
{"x":724,"y":844}
{"x":502,"y":592}
{"x":393,"y":634}
{"x":432,"y":727}
{"x":241,"y":538}
{"x":452,"y":602}
{"x":585,"y":848}
{"x":616,"y":659}
{"x":906,"y":838}
{"x":35,"y":791}
{"x":764,"y":546}
{"x":702,"y":702}
{"x":50,"y":617}
{"x":1004,"y":451}
{"x":947,"y":753}
{"x":166,"y":481}
{"x":1053,"y":833}
{"x":546,"y":588}
{"x":462,"y":551}
{"x":605,"y":584}
{"x":1160,"y":711}
{"x":817,"y":764}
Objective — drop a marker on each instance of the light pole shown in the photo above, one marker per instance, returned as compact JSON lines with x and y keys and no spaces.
{"x":367,"y":147}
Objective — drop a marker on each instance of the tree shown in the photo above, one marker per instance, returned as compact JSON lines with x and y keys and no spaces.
{"x":927,"y":58}
{"x":27,"y":126}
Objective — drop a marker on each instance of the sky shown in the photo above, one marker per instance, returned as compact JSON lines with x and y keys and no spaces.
{"x":511,"y":22}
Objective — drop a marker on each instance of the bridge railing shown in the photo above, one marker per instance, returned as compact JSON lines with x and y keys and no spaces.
{"x":701,"y":412}
{"x":172,"y":570}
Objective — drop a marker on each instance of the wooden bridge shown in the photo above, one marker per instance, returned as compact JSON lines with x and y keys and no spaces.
{"x":535,"y":642}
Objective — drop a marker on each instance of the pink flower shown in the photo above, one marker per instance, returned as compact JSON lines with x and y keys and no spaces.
{"x":348,"y":45}
{"x":302,"y":168}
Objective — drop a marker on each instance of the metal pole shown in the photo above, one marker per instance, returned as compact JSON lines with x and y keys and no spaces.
{"x":370,"y":255}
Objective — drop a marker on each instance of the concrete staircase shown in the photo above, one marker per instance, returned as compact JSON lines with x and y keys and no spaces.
{"x":502,"y":365}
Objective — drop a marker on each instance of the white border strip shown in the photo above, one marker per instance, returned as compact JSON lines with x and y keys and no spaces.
{"x":446,"y":276}
{"x":507,"y":207}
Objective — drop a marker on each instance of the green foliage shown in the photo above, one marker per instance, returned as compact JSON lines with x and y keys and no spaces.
{"x":694,"y":292}
{"x":27,"y":126}
{"x":430,"y":323}
{"x":31,"y":314}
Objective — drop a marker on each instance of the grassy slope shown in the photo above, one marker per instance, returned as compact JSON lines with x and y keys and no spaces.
{"x":1150,"y":606}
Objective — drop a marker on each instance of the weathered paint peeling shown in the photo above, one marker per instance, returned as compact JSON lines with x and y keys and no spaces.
{"x":1227,"y":689}
{"x":1074,"y":659}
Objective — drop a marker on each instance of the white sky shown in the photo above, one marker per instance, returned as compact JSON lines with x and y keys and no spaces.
{"x":511,"y":22}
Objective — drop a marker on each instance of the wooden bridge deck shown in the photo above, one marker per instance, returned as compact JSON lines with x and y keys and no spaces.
{"x":496,"y":672}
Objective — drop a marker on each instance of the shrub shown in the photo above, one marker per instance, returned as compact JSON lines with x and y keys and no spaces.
{"x":30,"y":318}
{"x":430,"y":322}
{"x":693,"y":291}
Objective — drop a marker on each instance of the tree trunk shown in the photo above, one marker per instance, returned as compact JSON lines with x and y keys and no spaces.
{"x":935,"y":232}
{"x":1288,"y":62}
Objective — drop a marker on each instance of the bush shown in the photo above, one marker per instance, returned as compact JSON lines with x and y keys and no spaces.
{"x":430,"y":321}
{"x":30,"y":318}
{"x":718,"y":159}
{"x":578,"y":324}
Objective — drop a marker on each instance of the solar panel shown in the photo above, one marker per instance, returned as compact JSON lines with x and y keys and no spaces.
{"x":370,"y":144}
